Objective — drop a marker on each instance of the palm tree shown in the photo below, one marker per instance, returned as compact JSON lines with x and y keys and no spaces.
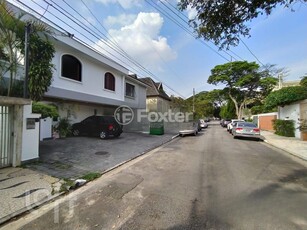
{"x":12,"y":49}
{"x":10,"y":29}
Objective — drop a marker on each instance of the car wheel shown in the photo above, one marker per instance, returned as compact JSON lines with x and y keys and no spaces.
{"x":75,"y":132}
{"x":117,"y":135}
{"x":103,"y":135}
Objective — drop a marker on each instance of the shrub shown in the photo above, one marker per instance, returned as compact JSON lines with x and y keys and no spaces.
{"x":63,"y":127}
{"x":285,"y":96}
{"x":284,"y":127}
{"x":45,"y":110}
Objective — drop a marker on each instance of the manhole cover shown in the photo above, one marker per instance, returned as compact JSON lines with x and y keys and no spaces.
{"x":102,"y":153}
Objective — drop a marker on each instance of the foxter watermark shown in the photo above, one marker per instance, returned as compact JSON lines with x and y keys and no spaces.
{"x":124,"y":115}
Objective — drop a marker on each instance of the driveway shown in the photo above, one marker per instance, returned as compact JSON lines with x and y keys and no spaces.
{"x":75,"y":156}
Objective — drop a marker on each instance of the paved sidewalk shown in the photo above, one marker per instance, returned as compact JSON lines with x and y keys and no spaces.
{"x":291,"y":145}
{"x":21,"y":189}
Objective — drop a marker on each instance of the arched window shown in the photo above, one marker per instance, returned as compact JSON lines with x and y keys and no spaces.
{"x":71,"y":67}
{"x":109,"y":81}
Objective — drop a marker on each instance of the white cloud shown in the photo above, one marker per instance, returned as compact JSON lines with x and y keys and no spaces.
{"x":126,"y":4}
{"x":142,"y":41}
{"x":121,"y":20}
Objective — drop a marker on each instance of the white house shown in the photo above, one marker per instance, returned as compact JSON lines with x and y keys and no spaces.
{"x":87,"y":83}
{"x":84,"y":83}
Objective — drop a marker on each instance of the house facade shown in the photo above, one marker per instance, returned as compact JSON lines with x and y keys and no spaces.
{"x":156,"y":98}
{"x":84,"y":83}
{"x":87,"y":83}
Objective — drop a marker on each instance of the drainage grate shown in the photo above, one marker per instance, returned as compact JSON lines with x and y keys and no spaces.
{"x":102,"y":153}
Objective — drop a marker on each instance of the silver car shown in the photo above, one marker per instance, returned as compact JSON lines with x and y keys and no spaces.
{"x":246,"y":129}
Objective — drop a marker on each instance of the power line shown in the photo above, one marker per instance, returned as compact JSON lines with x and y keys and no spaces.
{"x":251,"y":52}
{"x":177,"y":12}
{"x":99,"y":38}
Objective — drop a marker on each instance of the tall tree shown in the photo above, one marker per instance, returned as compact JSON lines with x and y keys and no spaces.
{"x":224,"y":22}
{"x":11,"y":27}
{"x":12,"y":44}
{"x":244,"y":82}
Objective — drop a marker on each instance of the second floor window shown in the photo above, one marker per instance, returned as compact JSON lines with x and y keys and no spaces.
{"x":109,"y":81}
{"x":130,"y":90}
{"x":71,"y":67}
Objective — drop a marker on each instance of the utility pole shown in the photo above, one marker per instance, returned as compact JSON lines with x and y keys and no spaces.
{"x":26,"y":60}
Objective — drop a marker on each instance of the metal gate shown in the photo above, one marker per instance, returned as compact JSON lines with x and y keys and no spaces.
{"x":5,"y":136}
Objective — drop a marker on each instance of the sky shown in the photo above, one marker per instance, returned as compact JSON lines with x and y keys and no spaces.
{"x":152,"y":39}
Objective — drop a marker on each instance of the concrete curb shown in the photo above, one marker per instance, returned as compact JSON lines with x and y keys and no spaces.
{"x":9,"y":217}
{"x":143,"y":153}
{"x":286,"y":150}
{"x":30,"y":207}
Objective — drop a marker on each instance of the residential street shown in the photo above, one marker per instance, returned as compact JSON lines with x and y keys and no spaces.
{"x":210,"y":181}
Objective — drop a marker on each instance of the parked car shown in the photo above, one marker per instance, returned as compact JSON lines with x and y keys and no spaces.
{"x":246,"y":129}
{"x":193,"y":130}
{"x":226,"y":122}
{"x":202,"y":124}
{"x":232,"y":123}
{"x":100,"y":126}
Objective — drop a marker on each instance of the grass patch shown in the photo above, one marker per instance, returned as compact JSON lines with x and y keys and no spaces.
{"x":66,"y":185}
{"x":91,"y":176}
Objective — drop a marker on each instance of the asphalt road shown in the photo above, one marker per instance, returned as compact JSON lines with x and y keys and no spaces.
{"x":210,"y":181}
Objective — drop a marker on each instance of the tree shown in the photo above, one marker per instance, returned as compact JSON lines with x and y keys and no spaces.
{"x":303,"y":81}
{"x":10,"y":29}
{"x":285,"y":96}
{"x":245,"y":82}
{"x":228,"y":110}
{"x":12,"y":38}
{"x":177,"y":103}
{"x":224,"y":22}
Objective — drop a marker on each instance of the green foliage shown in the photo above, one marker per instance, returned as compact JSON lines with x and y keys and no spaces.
{"x":303,"y":82}
{"x":224,"y":22}
{"x":46,"y":110}
{"x":11,"y":28}
{"x":63,"y":127}
{"x":285,"y":96}
{"x":177,"y":103}
{"x":12,"y":39}
{"x":284,"y":127}
{"x":228,"y":111}
{"x":203,"y":105}
{"x":258,"y":109}
{"x":244,"y":82}
{"x":40,"y":71}
{"x":91,"y":176}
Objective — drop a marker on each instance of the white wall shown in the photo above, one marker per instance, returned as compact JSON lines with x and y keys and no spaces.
{"x":291,"y":112}
{"x":77,"y":112}
{"x":92,"y":76}
{"x":30,"y":137}
{"x":45,"y":128}
{"x":139,"y":101}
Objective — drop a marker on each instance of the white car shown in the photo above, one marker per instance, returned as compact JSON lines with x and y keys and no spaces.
{"x":232,"y":123}
{"x":202,"y":124}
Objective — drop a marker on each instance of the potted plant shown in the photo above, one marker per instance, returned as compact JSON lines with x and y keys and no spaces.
{"x":63,"y":127}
